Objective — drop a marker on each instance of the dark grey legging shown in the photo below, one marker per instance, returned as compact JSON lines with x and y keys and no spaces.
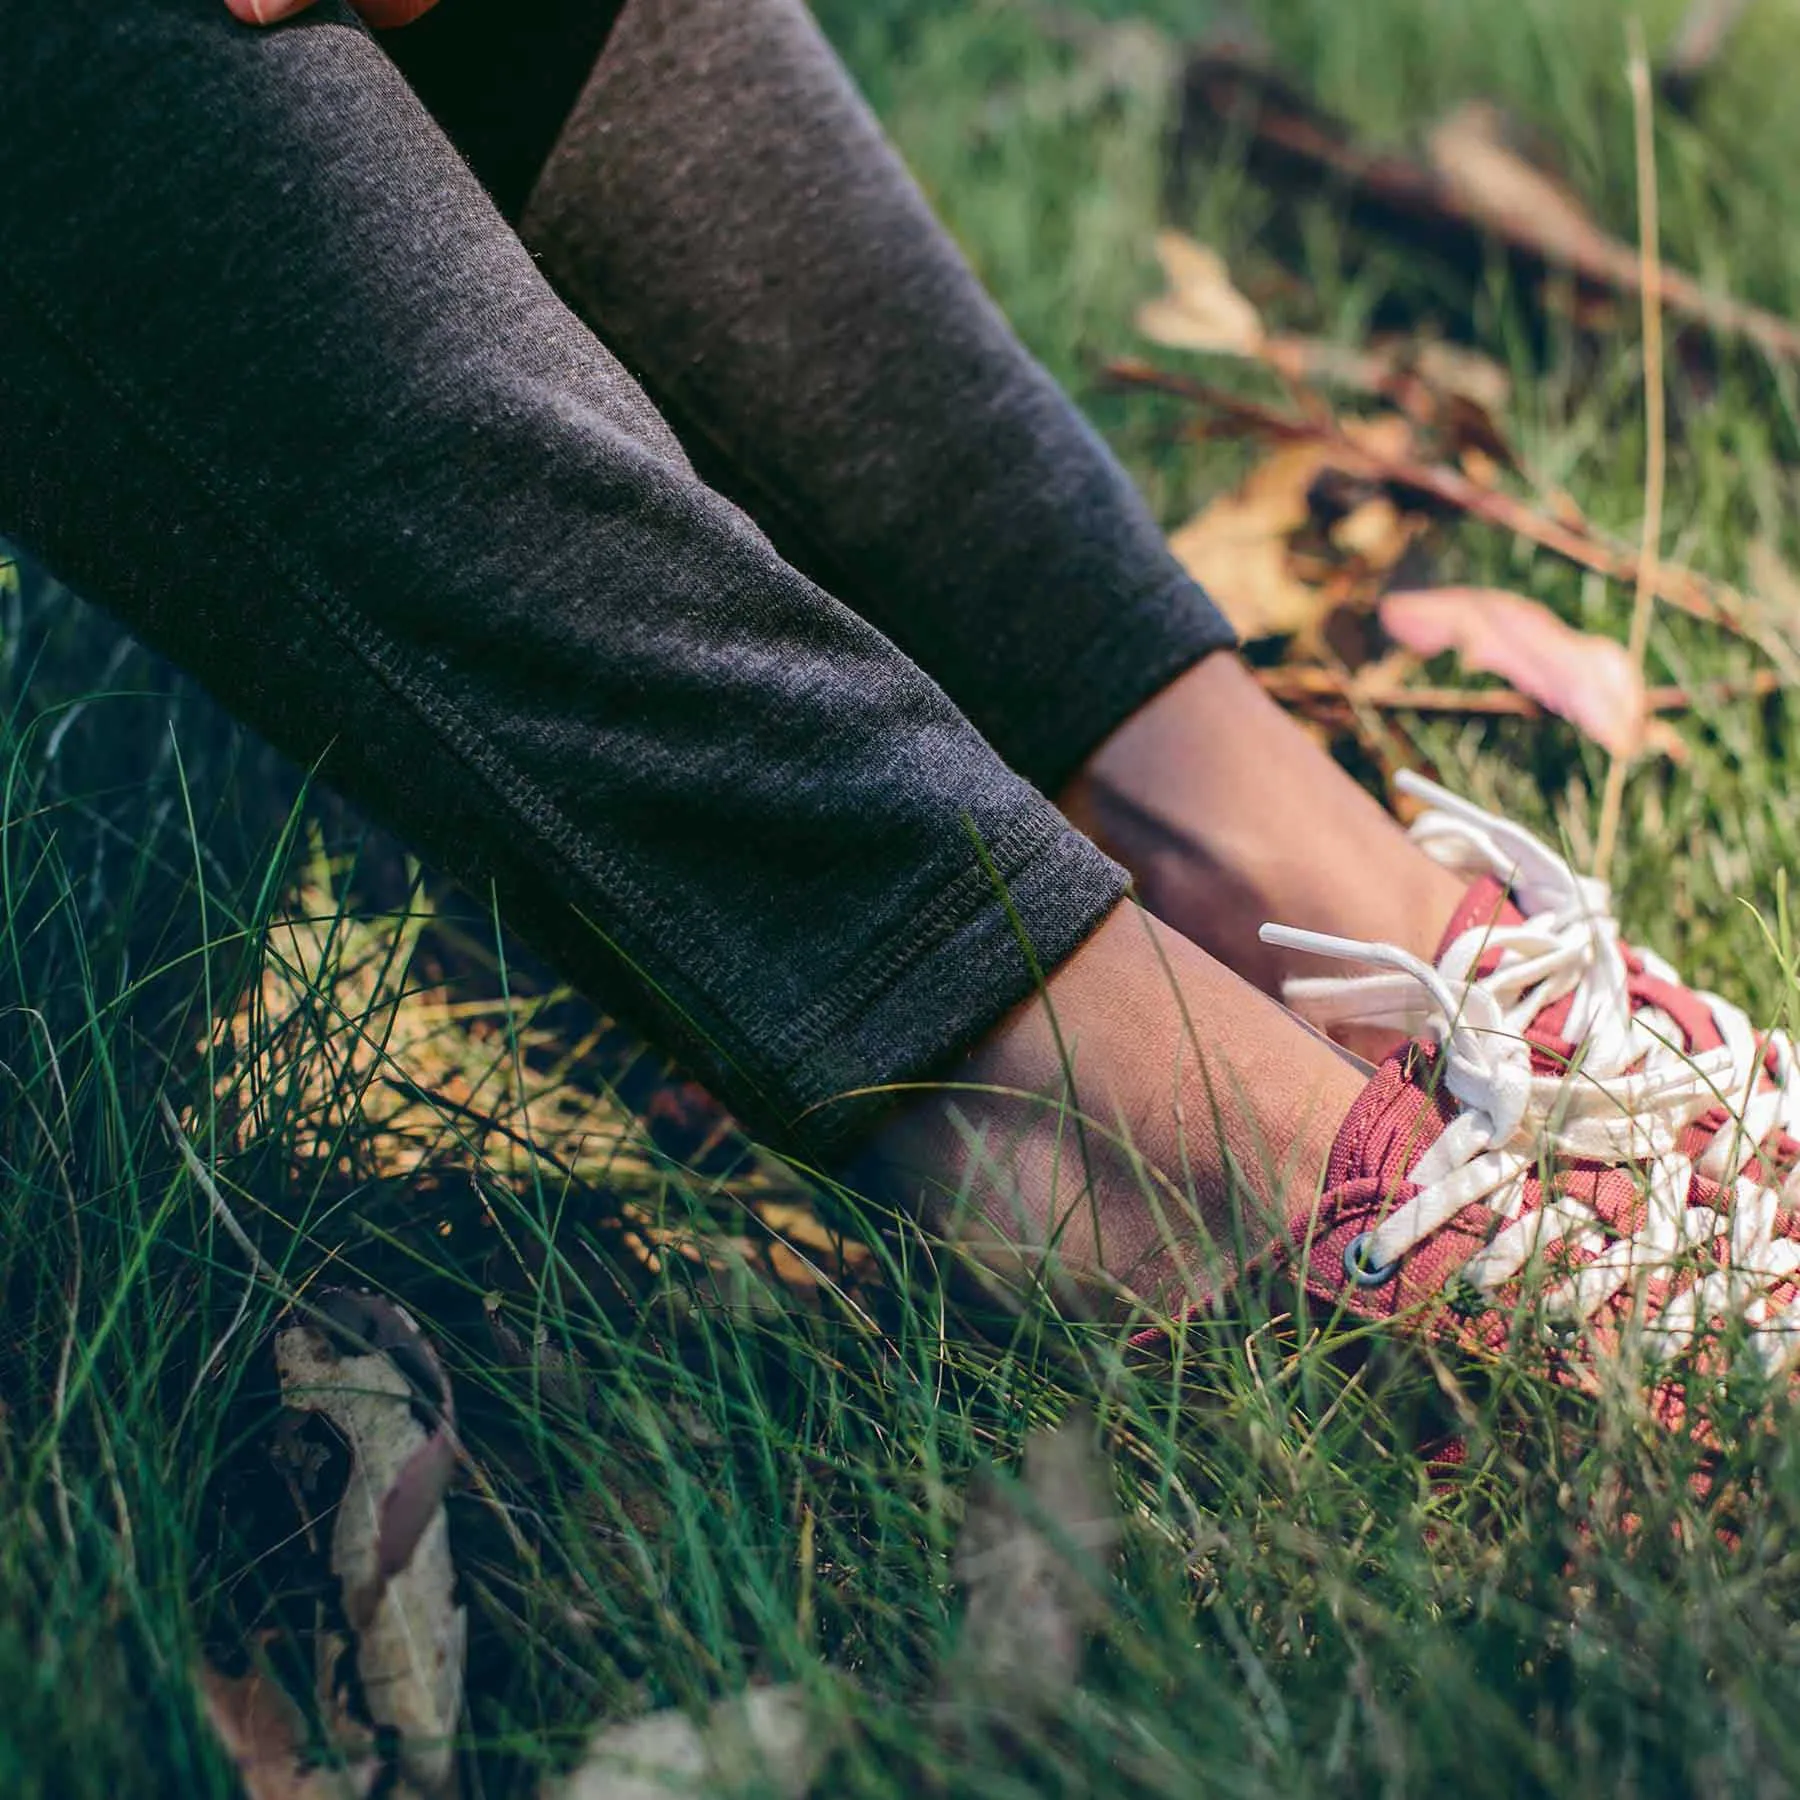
{"x":280,"y":386}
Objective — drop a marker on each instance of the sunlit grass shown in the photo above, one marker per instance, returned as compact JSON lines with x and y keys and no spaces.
{"x":720,"y":1428}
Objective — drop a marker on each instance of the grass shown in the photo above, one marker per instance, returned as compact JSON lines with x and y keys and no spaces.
{"x":686,"y":1478}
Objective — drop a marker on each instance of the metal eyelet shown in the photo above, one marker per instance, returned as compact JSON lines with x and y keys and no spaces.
{"x":1360,"y":1271}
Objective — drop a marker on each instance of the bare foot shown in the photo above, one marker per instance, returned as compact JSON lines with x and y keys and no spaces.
{"x":1229,"y":815}
{"x":1130,"y":1130}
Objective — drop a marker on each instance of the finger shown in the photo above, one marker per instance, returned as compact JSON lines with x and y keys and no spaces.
{"x":386,"y":15}
{"x":265,"y":12}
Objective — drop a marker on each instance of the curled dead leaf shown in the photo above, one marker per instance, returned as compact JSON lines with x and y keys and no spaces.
{"x":1237,"y":546}
{"x":1201,"y":308}
{"x":367,"y":1367}
{"x":265,"y":1737}
{"x":775,"y":1737}
{"x":1033,"y":1561}
{"x":1586,"y":679}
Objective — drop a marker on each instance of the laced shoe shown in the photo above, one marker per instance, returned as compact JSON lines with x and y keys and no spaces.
{"x":1541,"y":941}
{"x":1480,"y":1195}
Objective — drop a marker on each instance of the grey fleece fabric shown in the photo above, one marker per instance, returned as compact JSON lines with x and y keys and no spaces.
{"x":284,"y":390}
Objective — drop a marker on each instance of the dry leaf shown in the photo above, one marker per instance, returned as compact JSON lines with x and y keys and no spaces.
{"x":1459,"y":390}
{"x":1236,"y":547}
{"x":1202,"y":310}
{"x":1468,"y":374}
{"x":1377,"y":531}
{"x":1436,"y":485}
{"x":773,"y":1737}
{"x":371,"y":1377}
{"x":1588,"y":680}
{"x":265,"y":1737}
{"x":1031,"y":1560}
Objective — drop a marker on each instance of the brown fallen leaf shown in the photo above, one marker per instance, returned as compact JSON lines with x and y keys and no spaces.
{"x":265,"y":1737}
{"x":1468,"y":374}
{"x":1201,"y":309}
{"x":776,"y":1737}
{"x":1457,"y":390}
{"x":1552,"y":528}
{"x":1236,"y":546}
{"x":1377,"y":532}
{"x":367,"y":1368}
{"x":1591,"y":681}
{"x":1033,"y":1562}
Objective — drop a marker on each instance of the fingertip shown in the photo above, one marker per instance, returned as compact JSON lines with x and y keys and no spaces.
{"x":265,"y":12}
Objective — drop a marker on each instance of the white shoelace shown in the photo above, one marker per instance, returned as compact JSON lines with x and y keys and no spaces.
{"x":1633,"y":1089}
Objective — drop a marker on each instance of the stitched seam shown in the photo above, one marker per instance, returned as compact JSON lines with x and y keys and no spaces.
{"x":954,"y":906}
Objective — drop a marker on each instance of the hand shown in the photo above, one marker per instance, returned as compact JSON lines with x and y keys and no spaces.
{"x":384,"y":15}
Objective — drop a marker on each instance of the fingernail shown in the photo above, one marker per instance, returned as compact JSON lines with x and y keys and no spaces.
{"x":272,"y":12}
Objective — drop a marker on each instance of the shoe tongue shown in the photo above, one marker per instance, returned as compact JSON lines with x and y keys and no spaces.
{"x":1394,"y":1120}
{"x":1486,"y":902}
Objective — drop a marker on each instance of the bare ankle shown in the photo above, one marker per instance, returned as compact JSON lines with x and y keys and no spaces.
{"x":1228,"y":815}
{"x":1124,"y":1133}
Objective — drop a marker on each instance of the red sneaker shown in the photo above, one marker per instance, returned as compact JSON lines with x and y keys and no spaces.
{"x":1542,"y":941}
{"x":1483,"y":1194}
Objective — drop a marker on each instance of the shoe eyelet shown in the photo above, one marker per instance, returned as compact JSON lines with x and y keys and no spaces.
{"x":1360,"y":1270}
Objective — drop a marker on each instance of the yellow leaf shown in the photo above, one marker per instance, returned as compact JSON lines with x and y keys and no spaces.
{"x":1201,"y":310}
{"x":1236,"y":547}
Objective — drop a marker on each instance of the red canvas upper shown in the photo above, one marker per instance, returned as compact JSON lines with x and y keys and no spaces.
{"x":1576,"y":1151}
{"x":1486,"y":903}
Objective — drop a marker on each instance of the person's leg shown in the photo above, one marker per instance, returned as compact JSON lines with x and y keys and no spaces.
{"x":1229,"y":815}
{"x":724,"y":209}
{"x":283,"y":391}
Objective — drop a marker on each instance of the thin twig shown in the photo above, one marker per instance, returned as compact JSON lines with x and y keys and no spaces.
{"x":1655,"y":446}
{"x":1294,"y":685}
{"x":1683,"y":588}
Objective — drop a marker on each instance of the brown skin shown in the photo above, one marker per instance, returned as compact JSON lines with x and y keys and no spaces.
{"x":1228,"y":815}
{"x":1180,"y":1072}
